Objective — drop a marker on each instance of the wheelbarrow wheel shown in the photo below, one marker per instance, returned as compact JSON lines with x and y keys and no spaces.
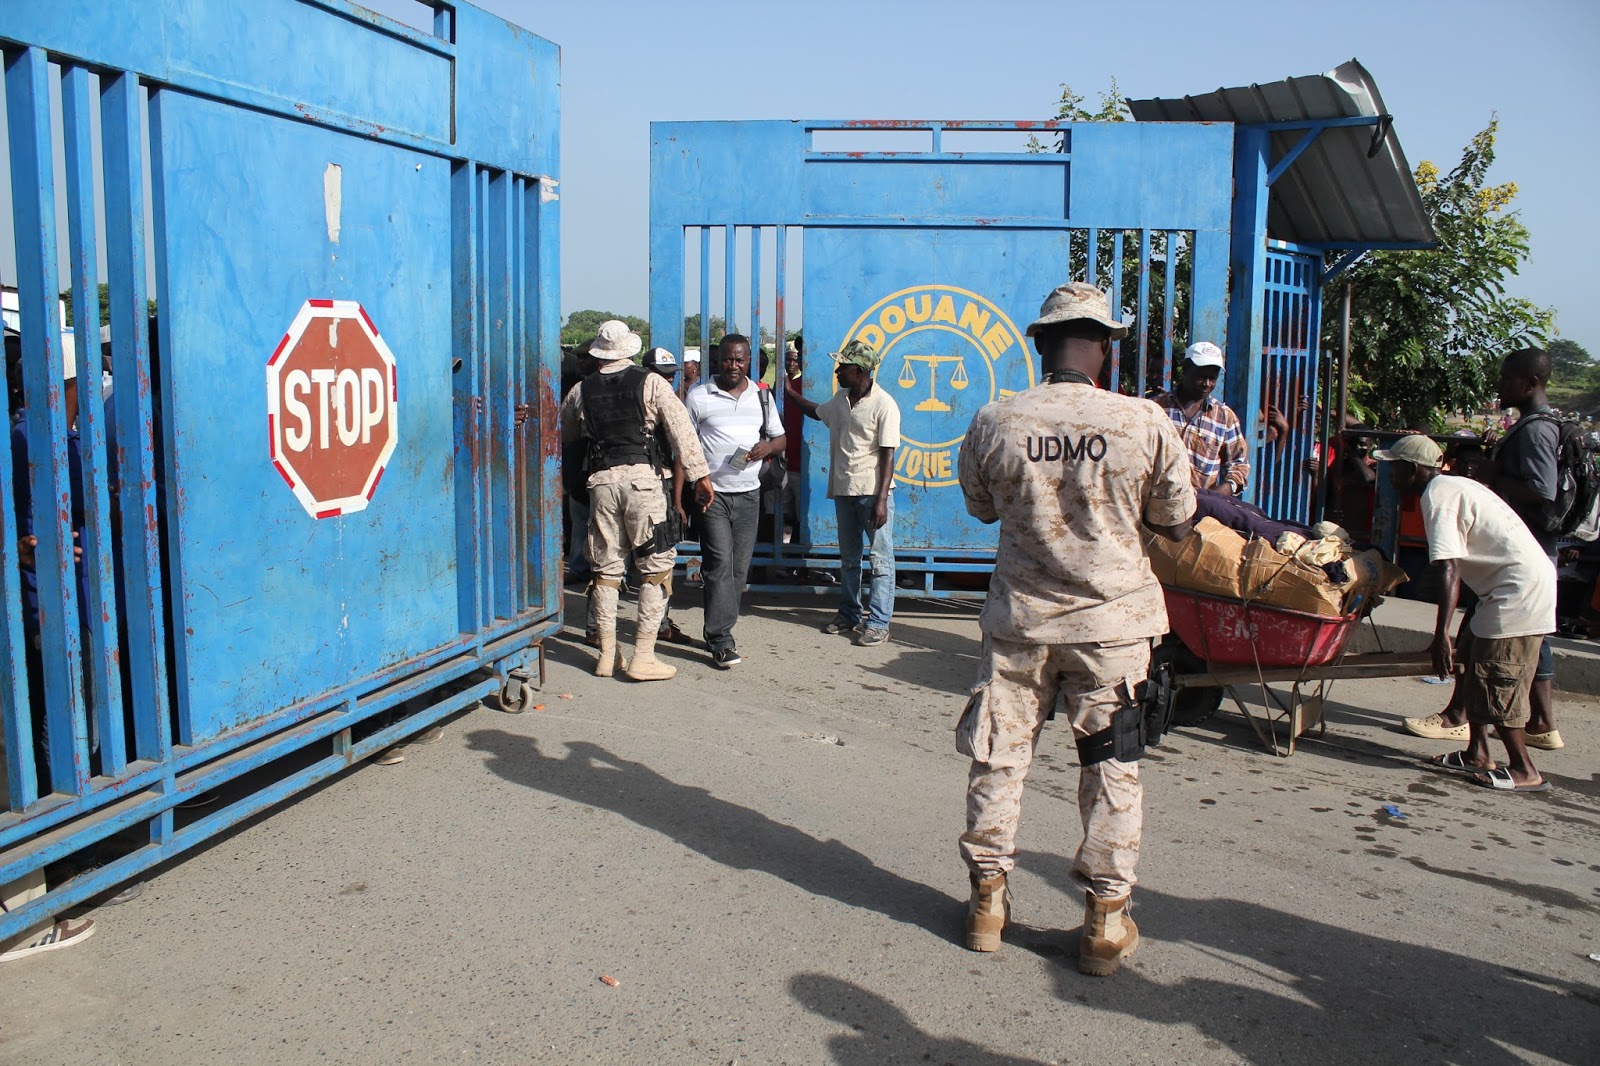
{"x":1191,"y":706}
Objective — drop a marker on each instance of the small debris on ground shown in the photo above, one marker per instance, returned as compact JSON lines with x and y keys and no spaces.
{"x":607,"y":979}
{"x":564,"y":696}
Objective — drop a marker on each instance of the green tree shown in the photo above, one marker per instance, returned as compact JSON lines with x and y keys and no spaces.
{"x":691,"y":330}
{"x":1113,"y":107}
{"x":1429,"y":328}
{"x":1575,"y":379}
{"x":581,"y":326}
{"x":1571,"y":360}
{"x":105,"y":306}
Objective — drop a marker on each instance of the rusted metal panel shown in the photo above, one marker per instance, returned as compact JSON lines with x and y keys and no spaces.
{"x":306,"y":157}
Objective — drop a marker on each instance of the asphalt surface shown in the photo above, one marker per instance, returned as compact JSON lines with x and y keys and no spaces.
{"x":764,"y":862}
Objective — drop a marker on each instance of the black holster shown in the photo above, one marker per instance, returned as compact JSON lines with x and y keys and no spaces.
{"x":1122,"y":740}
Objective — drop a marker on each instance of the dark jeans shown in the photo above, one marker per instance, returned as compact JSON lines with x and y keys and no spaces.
{"x":727,"y":537}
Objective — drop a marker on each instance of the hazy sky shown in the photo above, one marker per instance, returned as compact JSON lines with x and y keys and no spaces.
{"x":1443,"y":68}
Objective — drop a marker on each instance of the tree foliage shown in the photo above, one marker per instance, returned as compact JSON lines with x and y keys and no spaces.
{"x":1575,"y":377}
{"x":1428,"y":328}
{"x":1570,"y":359}
{"x":1113,"y":107}
{"x":105,"y":306}
{"x":691,"y":330}
{"x":581,"y":326}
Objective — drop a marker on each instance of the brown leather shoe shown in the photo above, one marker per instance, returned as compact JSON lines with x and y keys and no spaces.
{"x":670,"y":633}
{"x":987,"y":912}
{"x":1109,"y":935}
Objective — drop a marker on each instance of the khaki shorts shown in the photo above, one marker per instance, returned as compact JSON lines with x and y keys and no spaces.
{"x":1498,"y":672}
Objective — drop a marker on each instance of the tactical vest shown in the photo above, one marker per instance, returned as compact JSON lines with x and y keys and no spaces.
{"x":614,"y":420}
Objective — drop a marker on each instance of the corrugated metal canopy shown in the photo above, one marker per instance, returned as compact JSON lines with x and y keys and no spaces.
{"x":1340,"y":192}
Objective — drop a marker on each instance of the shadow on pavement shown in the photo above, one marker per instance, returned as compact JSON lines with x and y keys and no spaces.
{"x":881,"y":1031}
{"x":1341,"y":995}
{"x":723,"y":832}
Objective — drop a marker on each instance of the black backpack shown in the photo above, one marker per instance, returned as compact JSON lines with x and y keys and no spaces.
{"x":1575,"y":512}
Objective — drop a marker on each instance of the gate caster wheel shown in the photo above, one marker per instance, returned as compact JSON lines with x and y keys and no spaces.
{"x":513,"y":695}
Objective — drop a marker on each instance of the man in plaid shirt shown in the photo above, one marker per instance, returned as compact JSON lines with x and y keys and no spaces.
{"x":1209,"y":428}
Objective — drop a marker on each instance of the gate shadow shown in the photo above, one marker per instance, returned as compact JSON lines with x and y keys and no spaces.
{"x":1343,"y":995}
{"x":722,"y":831}
{"x":881,"y":1032}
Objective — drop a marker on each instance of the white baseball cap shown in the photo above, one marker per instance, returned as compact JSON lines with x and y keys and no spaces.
{"x":691,"y":355}
{"x":1203,"y":353}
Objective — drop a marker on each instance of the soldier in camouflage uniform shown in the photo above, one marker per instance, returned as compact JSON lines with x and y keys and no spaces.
{"x":623,"y":410}
{"x":1077,"y":477}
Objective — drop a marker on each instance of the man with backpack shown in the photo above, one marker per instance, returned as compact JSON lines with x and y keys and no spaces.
{"x":1527,"y":473}
{"x":738,"y":425}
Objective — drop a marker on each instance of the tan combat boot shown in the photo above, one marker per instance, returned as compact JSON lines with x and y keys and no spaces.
{"x":652,"y":609}
{"x":987,"y":912}
{"x":604,"y":599}
{"x":1109,"y":935}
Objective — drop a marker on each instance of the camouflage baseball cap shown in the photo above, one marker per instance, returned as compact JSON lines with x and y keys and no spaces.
{"x":858,"y":353}
{"x":1078,"y":300}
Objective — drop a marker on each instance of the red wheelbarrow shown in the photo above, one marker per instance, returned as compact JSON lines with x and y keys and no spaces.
{"x":1219,"y":644}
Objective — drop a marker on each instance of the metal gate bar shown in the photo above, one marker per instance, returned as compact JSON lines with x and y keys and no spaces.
{"x":102,"y":777}
{"x":1292,"y":313}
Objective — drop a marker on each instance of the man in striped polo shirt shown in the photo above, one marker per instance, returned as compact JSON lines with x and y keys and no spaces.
{"x":1209,"y":428}
{"x":738,"y":425}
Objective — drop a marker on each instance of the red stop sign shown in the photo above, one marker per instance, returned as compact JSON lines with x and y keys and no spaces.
{"x":331,"y":406}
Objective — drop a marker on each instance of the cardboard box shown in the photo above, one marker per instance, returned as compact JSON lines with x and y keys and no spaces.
{"x":1269,"y":577}
{"x":1207,"y":560}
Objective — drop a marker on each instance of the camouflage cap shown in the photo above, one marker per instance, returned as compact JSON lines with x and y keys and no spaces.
{"x":1078,"y":300}
{"x":858,"y":353}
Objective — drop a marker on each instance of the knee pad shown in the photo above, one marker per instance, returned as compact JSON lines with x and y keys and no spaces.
{"x":664,"y":579}
{"x":605,"y":583}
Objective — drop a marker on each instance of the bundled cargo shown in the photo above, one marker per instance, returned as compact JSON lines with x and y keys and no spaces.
{"x":1317,"y":576}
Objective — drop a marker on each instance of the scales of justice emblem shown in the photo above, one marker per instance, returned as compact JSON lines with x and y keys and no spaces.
{"x":908,"y":378}
{"x":951,"y":349}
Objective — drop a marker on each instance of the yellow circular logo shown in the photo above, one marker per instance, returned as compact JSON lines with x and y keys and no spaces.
{"x":946,"y":352}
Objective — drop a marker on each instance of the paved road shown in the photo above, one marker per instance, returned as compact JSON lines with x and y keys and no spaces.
{"x":765,"y":862}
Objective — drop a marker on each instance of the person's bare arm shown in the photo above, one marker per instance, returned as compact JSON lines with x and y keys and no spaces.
{"x":880,"y":508}
{"x":677,"y":492}
{"x":791,"y":391}
{"x":1444,"y":651}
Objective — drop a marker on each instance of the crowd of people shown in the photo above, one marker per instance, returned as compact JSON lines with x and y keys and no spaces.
{"x":639,"y":458}
{"x":1073,"y":606}
{"x":1077,"y":478}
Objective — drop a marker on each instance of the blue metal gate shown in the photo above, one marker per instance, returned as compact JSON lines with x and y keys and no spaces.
{"x":940,"y":256}
{"x":1292,"y":313}
{"x":314,"y":171}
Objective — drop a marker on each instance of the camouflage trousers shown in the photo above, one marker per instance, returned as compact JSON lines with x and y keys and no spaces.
{"x":1017,"y":686}
{"x":622,"y":516}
